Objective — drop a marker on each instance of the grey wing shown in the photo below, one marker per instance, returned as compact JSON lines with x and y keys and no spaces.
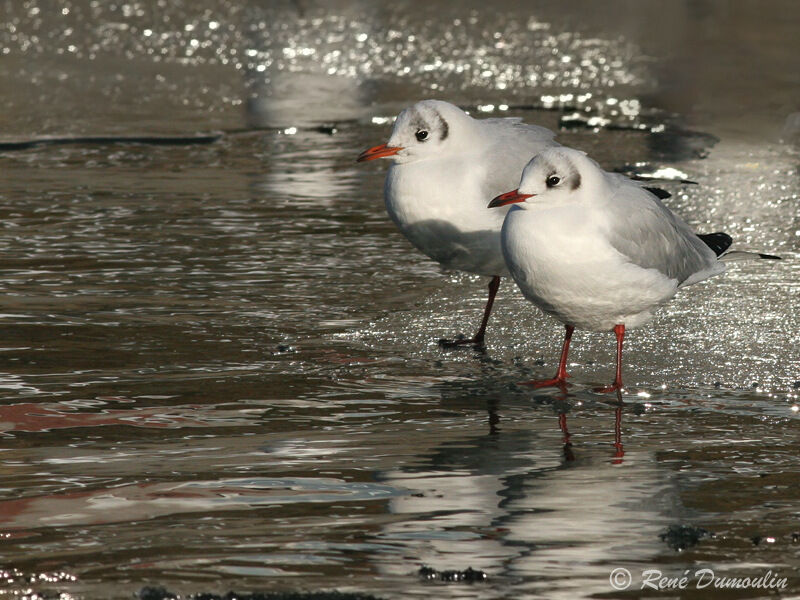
{"x":651,"y":236}
{"x":514,"y":143}
{"x":514,"y":128}
{"x":622,"y":179}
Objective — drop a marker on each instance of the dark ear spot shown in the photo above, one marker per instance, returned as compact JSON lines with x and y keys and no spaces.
{"x":443,"y":124}
{"x":576,"y":180}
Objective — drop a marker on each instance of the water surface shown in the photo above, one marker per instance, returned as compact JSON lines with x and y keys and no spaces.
{"x":219,"y":366}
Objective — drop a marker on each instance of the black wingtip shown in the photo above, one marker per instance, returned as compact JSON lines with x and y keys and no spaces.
{"x":769,"y":257}
{"x":658,"y":192}
{"x":718,"y":242}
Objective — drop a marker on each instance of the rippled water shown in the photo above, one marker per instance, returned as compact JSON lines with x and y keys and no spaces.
{"x":219,"y":366}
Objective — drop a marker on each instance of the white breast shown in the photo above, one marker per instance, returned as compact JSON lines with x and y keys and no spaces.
{"x":562,"y":262}
{"x":440,"y":206}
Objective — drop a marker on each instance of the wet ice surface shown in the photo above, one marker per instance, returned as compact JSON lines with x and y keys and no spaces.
{"x":219,"y":365}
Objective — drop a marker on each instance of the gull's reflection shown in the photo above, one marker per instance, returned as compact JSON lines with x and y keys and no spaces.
{"x":302,"y":104}
{"x":618,"y":434}
{"x":453,"y":517}
{"x":532,"y":503}
{"x":288,"y":78}
{"x":290,"y":99}
{"x":569,"y":455}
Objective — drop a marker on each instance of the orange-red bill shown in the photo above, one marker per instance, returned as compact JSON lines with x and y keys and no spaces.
{"x":381,"y":151}
{"x":509,"y":198}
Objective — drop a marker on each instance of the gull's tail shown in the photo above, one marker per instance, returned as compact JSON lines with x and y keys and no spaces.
{"x":742,"y":255}
{"x":719,"y":242}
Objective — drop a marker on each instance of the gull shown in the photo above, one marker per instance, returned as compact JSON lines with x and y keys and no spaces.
{"x":599,"y":252}
{"x":446,"y":165}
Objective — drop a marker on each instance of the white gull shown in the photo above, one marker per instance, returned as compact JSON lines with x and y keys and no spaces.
{"x":597,"y":251}
{"x":446,"y":166}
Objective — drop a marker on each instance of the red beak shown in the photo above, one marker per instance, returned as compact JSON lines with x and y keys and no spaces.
{"x":381,"y":151}
{"x":509,"y":198}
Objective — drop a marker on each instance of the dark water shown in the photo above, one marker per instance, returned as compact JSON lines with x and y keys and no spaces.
{"x":219,"y":366}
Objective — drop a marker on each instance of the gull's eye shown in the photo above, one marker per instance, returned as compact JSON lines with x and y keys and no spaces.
{"x":552,"y":181}
{"x":422,"y":135}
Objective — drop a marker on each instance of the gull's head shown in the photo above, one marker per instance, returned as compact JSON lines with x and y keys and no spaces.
{"x":555,"y":176}
{"x":428,"y":129}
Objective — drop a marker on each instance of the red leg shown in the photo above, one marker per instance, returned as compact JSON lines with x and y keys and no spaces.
{"x":619,"y":331}
{"x":560,"y":380}
{"x":494,"y":285}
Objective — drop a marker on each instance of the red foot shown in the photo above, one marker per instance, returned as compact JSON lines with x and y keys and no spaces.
{"x":614,"y":387}
{"x":560,"y":382}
